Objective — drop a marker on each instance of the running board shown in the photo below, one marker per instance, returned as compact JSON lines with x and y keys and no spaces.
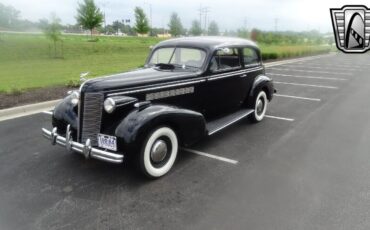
{"x":221,"y":123}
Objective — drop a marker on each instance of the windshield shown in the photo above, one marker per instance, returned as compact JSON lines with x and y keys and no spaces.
{"x":183,"y":58}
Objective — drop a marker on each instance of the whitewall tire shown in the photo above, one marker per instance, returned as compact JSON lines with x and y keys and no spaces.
{"x":159,"y":152}
{"x":260,"y":107}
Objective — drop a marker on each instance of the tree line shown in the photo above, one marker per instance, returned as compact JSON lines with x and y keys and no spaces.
{"x":89,"y":17}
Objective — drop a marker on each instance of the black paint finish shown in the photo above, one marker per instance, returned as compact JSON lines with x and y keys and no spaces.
{"x":181,"y":98}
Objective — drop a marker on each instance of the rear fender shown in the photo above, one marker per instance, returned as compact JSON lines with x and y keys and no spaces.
{"x":261,"y":82}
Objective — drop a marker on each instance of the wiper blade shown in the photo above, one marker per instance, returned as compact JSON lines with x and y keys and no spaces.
{"x":168,"y":66}
{"x":165,"y":66}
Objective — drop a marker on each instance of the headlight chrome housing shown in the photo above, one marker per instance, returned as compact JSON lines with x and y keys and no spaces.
{"x":109,"y":105}
{"x":75,"y":98}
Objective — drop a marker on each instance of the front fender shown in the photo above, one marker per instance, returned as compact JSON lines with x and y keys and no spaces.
{"x":188,"y":125}
{"x":65,"y":113}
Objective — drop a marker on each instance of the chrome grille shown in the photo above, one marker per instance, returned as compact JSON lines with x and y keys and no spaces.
{"x":91,"y":117}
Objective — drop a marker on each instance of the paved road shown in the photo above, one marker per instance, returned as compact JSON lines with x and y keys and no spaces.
{"x":309,"y":171}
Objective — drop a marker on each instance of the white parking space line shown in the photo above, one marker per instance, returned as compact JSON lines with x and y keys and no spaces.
{"x":335,"y":65}
{"x":279,"y":118}
{"x":296,"y":97}
{"x":309,"y":71}
{"x":304,"y":59}
{"x":48,"y":112}
{"x":350,"y":64}
{"x":311,"y":77}
{"x":308,"y":85}
{"x":224,"y":159}
{"x":319,"y":67}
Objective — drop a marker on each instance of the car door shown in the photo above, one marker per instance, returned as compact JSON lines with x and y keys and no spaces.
{"x":182,"y":95}
{"x":223,"y":91}
{"x":253,"y":67}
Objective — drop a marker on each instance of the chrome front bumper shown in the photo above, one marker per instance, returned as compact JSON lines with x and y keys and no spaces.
{"x":86,"y":149}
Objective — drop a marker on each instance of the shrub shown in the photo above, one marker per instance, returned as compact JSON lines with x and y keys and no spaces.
{"x":73,"y":83}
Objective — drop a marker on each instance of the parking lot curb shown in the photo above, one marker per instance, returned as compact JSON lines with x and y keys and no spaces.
{"x":11,"y":113}
{"x":26,"y":110}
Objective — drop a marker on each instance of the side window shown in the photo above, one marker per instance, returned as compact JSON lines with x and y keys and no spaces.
{"x":224,"y":59}
{"x":250,"y":57}
{"x":162,"y":55}
{"x":189,"y":57}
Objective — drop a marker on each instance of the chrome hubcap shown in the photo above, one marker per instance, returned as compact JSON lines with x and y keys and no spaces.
{"x":259,"y":106}
{"x":159,"y":151}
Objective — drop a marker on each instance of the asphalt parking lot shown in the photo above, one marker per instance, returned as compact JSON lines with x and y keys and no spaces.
{"x":306,"y":166}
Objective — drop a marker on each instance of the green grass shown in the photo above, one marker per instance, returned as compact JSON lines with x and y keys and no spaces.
{"x":25,"y":61}
{"x":289,"y":51}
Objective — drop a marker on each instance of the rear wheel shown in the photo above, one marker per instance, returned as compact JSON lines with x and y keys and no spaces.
{"x":159,"y":152}
{"x":260,"y":107}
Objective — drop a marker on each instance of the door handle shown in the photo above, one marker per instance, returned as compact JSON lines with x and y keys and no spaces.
{"x":243,"y":75}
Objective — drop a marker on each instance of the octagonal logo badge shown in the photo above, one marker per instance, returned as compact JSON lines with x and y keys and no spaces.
{"x":351,"y":25}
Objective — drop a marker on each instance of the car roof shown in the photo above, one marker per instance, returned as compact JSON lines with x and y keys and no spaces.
{"x":207,"y":42}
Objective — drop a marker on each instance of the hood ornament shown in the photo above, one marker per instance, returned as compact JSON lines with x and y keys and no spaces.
{"x":83,"y":75}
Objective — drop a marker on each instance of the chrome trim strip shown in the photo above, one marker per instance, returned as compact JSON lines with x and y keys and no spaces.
{"x":182,"y":83}
{"x":117,"y":74}
{"x":84,"y":149}
{"x":126,"y":103}
{"x":225,"y":76}
{"x":231,"y":74}
{"x":155,"y":88}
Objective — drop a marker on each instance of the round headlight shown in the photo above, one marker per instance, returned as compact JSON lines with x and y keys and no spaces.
{"x":109,"y":105}
{"x":75,"y":98}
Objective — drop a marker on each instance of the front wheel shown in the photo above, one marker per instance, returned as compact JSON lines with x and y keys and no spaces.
{"x":159,"y":152}
{"x":260,"y":107}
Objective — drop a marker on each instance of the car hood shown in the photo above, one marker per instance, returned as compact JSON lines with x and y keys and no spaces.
{"x":135,"y":78}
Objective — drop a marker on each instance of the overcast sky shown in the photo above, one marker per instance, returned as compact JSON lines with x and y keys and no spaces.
{"x":290,"y":14}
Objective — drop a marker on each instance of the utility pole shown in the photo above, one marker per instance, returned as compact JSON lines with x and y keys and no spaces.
{"x":164,"y":30}
{"x":276,"y":24}
{"x":206,"y":11}
{"x":203,"y":11}
{"x":200,"y":15}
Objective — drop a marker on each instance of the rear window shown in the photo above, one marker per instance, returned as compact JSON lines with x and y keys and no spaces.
{"x":224,"y":59}
{"x":250,"y":57}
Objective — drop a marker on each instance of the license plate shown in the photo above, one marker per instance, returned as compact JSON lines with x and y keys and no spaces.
{"x":107,"y":142}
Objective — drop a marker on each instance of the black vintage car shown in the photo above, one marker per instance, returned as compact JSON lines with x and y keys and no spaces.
{"x":189,"y":88}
